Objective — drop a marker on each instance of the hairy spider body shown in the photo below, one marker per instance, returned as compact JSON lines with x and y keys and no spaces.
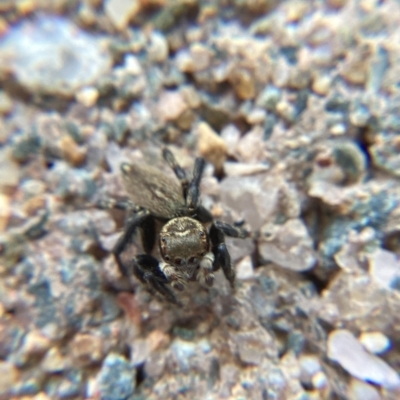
{"x":184,"y":247}
{"x":191,"y":244}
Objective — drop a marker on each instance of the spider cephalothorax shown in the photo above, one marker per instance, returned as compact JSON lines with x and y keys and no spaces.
{"x":190,"y":243}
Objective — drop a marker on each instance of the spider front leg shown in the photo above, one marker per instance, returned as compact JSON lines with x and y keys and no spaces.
{"x":147,"y":269}
{"x":176,"y":278}
{"x":222,"y":260}
{"x":143,"y":220}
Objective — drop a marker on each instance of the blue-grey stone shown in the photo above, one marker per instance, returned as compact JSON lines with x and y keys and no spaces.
{"x":269,"y":98}
{"x":116,"y":378}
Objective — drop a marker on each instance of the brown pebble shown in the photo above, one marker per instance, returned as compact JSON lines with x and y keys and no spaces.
{"x":54,"y":361}
{"x":8,"y":377}
{"x":211,"y":146}
{"x":152,"y":3}
{"x":158,"y":339}
{"x":5,"y":211}
{"x":25,"y":7}
{"x":336,"y":3}
{"x":243,"y":84}
{"x":74,"y":154}
{"x":322,"y":84}
{"x":86,"y":349}
{"x":207,"y":12}
{"x":3,"y":26}
{"x":217,"y":211}
{"x":35,"y":343}
{"x":33,"y":205}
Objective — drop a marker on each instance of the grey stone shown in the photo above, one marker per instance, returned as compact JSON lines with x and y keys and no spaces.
{"x":116,"y":379}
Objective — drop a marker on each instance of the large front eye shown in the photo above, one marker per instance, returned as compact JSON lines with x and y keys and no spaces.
{"x":178,"y":261}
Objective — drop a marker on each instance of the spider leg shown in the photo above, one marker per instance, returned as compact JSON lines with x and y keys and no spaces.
{"x":178,"y":170}
{"x":235,"y":231}
{"x":203,"y":215}
{"x":193,"y":193}
{"x":222,"y":259}
{"x":148,"y":234}
{"x":134,"y":222}
{"x":147,"y":269}
{"x":117,"y":204}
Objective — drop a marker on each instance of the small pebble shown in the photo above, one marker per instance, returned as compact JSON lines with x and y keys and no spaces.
{"x":34,"y":204}
{"x":243,"y":84}
{"x":319,"y":380}
{"x":309,"y":366}
{"x":54,"y":361}
{"x":87,"y":96}
{"x":35,"y":343}
{"x":132,"y":65}
{"x":359,"y":390}
{"x":121,"y":12}
{"x":157,"y":48}
{"x":338,"y":129}
{"x":9,"y":171}
{"x":171,"y":105}
{"x":322,"y":84}
{"x":374,"y":342}
{"x":5,"y":211}
{"x":73,"y":153}
{"x":286,"y":111}
{"x":384,"y":267}
{"x":201,"y":56}
{"x":256,"y":116}
{"x":360,"y":116}
{"x":6,"y":103}
{"x":116,"y":379}
{"x":244,"y":269}
{"x":8,"y":377}
{"x":86,"y":349}
{"x":211,"y":146}
{"x":288,"y":245}
{"x":231,"y":135}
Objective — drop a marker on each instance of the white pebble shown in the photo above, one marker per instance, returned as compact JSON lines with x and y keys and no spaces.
{"x":344,"y":348}
{"x":319,"y":380}
{"x":132,"y":65}
{"x":244,"y":269}
{"x":374,"y":342}
{"x":158,"y":47}
{"x":121,"y":11}
{"x":309,"y":366}
{"x":359,"y":390}
{"x":87,"y":96}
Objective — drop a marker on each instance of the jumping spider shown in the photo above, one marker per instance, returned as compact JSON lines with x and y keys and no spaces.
{"x":190,"y":243}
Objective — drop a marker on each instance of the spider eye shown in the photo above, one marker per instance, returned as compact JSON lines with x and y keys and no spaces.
{"x":192,"y":260}
{"x":202,"y":234}
{"x":178,"y":261}
{"x":167,"y":258}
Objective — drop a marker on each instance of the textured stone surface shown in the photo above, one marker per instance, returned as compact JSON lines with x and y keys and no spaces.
{"x":38,"y":59}
{"x":288,"y":245}
{"x":296,"y":105}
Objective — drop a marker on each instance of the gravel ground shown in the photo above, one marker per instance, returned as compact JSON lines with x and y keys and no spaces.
{"x":295,"y":105}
